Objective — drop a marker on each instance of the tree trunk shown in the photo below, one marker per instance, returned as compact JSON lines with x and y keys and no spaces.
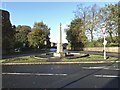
{"x":111,"y":37}
{"x":91,"y":32}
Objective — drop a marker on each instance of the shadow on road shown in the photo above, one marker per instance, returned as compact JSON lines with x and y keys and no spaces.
{"x":104,"y":88}
{"x":112,"y":84}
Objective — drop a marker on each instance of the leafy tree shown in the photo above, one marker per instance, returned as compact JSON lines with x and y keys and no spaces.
{"x":119,"y":25}
{"x":110,"y":16}
{"x":23,"y":27}
{"x":36,"y":38}
{"x":21,"y":35}
{"x":75,"y":34}
{"x":100,"y":41}
{"x":93,"y":17}
{"x":46,"y":31}
{"x":40,"y":33}
{"x":7,"y":32}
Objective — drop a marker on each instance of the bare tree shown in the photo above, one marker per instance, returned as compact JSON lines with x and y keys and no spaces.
{"x":89,"y":14}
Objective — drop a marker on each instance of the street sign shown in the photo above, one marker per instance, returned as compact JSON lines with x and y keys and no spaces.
{"x":104,"y":30}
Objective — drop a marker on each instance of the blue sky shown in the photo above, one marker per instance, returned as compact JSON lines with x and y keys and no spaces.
{"x":51,"y":13}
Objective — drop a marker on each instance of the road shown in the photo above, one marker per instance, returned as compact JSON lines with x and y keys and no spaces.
{"x":111,"y":54}
{"x":61,"y":76}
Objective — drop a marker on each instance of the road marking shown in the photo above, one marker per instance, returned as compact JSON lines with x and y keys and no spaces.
{"x":103,"y":67}
{"x":36,"y":74}
{"x":116,"y":69}
{"x":107,"y":76}
{"x":93,"y":67}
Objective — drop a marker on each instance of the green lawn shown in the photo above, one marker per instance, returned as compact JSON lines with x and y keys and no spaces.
{"x":29,"y":59}
{"x":90,"y":58}
{"x":23,"y":59}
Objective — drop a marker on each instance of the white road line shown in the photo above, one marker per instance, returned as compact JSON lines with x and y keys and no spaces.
{"x":103,"y":67}
{"x":36,"y":74}
{"x":116,"y":69}
{"x":107,"y":76}
{"x":93,"y":67}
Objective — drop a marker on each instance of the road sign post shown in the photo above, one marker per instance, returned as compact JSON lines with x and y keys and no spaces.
{"x":105,"y":42}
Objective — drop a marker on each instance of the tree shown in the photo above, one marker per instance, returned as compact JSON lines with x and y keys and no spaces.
{"x":75,"y":34}
{"x":89,"y":15}
{"x":40,"y":33}
{"x":119,"y":25}
{"x":92,"y":21}
{"x":7,"y":32}
{"x":110,"y":16}
{"x":94,"y":17}
{"x":82,"y":12}
{"x":21,"y":35}
{"x":36,"y":38}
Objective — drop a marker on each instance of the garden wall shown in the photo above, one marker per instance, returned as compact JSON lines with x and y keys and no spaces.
{"x":108,"y":49}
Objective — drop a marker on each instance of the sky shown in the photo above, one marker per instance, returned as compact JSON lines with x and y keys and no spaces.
{"x":51,"y":13}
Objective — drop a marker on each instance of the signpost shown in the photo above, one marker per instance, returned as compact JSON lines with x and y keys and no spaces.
{"x":105,"y":42}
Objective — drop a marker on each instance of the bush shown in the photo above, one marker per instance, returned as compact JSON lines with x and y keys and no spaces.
{"x":98,"y":44}
{"x":89,"y":44}
{"x":112,"y":44}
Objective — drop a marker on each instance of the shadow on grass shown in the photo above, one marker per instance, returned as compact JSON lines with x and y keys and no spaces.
{"x":72,"y":56}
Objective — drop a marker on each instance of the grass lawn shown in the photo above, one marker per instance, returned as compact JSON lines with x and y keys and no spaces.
{"x":23,"y":59}
{"x":90,"y":58}
{"x":30,"y":59}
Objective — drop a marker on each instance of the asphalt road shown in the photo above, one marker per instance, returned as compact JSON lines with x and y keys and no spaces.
{"x":61,"y":76}
{"x":112,"y":54}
